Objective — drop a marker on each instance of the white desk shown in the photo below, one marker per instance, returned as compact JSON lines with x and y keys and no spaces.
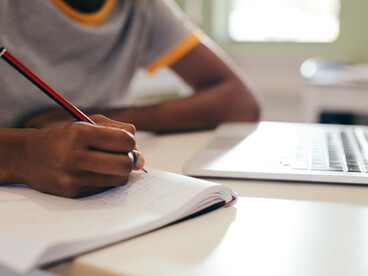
{"x":275,"y":229}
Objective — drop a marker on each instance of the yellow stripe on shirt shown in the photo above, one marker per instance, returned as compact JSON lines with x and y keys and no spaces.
{"x":91,"y":19}
{"x":175,"y":53}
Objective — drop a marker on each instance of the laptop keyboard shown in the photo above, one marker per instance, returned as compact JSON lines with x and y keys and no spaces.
{"x":332,"y":150}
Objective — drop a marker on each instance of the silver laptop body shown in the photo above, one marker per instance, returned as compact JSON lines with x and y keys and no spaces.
{"x":284,"y":151}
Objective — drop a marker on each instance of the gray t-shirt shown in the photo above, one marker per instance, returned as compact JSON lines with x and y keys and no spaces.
{"x":89,"y":66}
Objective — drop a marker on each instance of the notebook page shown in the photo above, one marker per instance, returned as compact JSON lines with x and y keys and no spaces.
{"x":45,"y":220}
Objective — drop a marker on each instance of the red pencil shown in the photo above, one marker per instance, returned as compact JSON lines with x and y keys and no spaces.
{"x":21,"y":68}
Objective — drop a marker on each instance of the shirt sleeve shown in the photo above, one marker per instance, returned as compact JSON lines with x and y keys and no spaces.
{"x":171,"y":35}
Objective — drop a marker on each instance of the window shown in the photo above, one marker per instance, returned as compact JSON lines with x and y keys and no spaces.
{"x":284,"y":20}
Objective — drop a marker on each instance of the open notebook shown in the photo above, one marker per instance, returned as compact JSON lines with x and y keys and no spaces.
{"x":37,"y":229}
{"x":285,"y":151}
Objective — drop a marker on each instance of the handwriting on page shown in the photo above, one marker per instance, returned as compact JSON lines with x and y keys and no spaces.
{"x":148,"y":196}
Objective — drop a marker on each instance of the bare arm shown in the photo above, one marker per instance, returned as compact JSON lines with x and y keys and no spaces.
{"x":220,"y":95}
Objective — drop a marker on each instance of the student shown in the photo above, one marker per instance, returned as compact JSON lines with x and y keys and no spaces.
{"x":89,"y":50}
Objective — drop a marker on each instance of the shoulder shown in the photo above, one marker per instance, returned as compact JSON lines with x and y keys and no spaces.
{"x":148,"y":10}
{"x":153,"y":6}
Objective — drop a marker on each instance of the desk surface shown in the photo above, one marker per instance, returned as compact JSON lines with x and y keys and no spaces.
{"x":276,"y":228}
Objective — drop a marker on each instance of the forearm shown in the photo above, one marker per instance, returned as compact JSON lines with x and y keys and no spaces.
{"x":13,"y":151}
{"x":220,"y":95}
{"x":224,"y":101}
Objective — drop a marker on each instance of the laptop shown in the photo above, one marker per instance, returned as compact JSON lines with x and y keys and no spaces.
{"x":284,"y":151}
